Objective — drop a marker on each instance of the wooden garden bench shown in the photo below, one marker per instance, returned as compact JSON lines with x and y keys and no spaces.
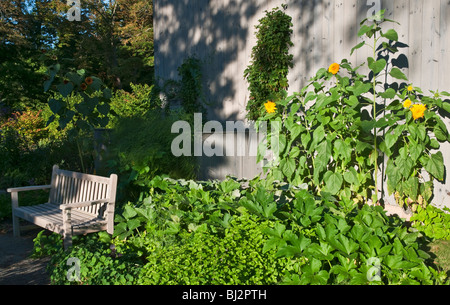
{"x":78,"y":204}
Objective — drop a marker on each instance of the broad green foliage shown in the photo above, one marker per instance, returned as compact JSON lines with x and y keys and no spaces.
{"x":333,"y":135}
{"x":255,"y":232}
{"x":91,"y":99}
{"x":356,"y":247}
{"x":267,"y":73}
{"x":433,"y":222}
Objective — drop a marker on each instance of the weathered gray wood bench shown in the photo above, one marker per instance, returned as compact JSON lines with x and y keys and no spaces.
{"x":78,"y":204}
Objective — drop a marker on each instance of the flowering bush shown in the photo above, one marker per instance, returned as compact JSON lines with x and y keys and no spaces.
{"x":27,"y":126}
{"x":331,"y":136}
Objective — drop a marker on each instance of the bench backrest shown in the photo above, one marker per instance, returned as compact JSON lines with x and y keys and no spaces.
{"x":72,"y":187}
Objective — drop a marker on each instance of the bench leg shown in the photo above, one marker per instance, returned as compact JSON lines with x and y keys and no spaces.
{"x":67,"y":241}
{"x":16,"y":226}
{"x":14,"y":205}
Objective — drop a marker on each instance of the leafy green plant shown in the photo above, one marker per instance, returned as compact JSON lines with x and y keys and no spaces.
{"x":140,"y":149}
{"x":82,"y":102}
{"x":332,"y":137}
{"x":46,"y":245}
{"x":138,"y":102}
{"x":98,"y":264}
{"x":187,"y":232}
{"x":268,"y":70}
{"x":191,"y":86}
{"x":432,"y":221}
{"x":357,"y":247}
{"x":207,"y":258}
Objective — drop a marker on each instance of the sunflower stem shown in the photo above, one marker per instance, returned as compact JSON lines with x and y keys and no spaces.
{"x":374,"y":84}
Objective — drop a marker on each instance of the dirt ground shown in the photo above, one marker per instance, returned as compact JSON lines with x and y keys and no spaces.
{"x":16,"y":266}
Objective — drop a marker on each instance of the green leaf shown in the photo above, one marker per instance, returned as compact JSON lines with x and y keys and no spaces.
{"x":351,"y":176}
{"x":377,"y":66}
{"x":360,"y":45}
{"x":48,"y":84}
{"x":104,"y":109}
{"x":364,"y":29}
{"x":173,"y":228}
{"x":56,"y":105}
{"x":129,"y":212}
{"x":391,"y":35}
{"x":334,"y":183}
{"x":65,"y":89}
{"x":435,"y":166}
{"x":411,"y":187}
{"x":390,"y":140}
{"x":288,"y":167}
{"x":398,"y":74}
{"x":133,"y":224}
{"x":277,"y":231}
{"x":446,"y":106}
{"x":389,"y":94}
{"x":342,"y":149}
{"x":360,"y":88}
{"x":107,"y":94}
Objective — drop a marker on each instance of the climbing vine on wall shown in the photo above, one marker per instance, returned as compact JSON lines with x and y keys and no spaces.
{"x":269,"y":67}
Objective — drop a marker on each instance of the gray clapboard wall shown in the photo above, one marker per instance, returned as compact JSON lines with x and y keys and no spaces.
{"x":222,"y":34}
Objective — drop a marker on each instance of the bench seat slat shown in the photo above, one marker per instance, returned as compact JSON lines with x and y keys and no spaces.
{"x":50,"y":217}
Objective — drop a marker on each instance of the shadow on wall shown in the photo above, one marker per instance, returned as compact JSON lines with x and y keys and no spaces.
{"x":222,"y":35}
{"x":213,"y":31}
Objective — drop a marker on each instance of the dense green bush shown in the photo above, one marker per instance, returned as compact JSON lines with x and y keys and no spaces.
{"x":140,"y":149}
{"x":139,"y":101}
{"x":432,"y":221}
{"x":207,"y":258}
{"x":29,"y":149}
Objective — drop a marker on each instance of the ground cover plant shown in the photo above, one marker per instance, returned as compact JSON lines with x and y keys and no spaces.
{"x":240,"y":232}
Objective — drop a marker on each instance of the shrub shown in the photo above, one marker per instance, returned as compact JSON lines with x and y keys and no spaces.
{"x":131,"y":104}
{"x":140,"y":149}
{"x":207,"y":258}
{"x":98,"y":265}
{"x":356,"y":246}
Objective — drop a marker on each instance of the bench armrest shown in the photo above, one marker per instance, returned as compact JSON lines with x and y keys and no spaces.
{"x":28,"y":188}
{"x":82,"y":204}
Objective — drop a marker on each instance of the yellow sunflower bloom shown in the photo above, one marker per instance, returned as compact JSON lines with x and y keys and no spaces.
{"x":418,"y":111}
{"x":407,"y":103}
{"x":334,"y":68}
{"x":410,"y":88}
{"x":271,"y":107}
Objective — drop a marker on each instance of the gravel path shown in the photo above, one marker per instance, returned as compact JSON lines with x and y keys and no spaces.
{"x":16,"y":266}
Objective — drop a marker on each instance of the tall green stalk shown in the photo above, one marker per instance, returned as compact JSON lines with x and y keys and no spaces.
{"x":374,"y":85}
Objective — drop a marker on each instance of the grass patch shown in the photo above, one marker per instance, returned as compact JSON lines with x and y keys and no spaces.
{"x":441,"y":248}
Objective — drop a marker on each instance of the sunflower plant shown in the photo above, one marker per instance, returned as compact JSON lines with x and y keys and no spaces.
{"x":80,"y":103}
{"x":334,"y":135}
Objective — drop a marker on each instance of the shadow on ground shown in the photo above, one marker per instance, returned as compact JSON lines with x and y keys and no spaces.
{"x":16,"y":266}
